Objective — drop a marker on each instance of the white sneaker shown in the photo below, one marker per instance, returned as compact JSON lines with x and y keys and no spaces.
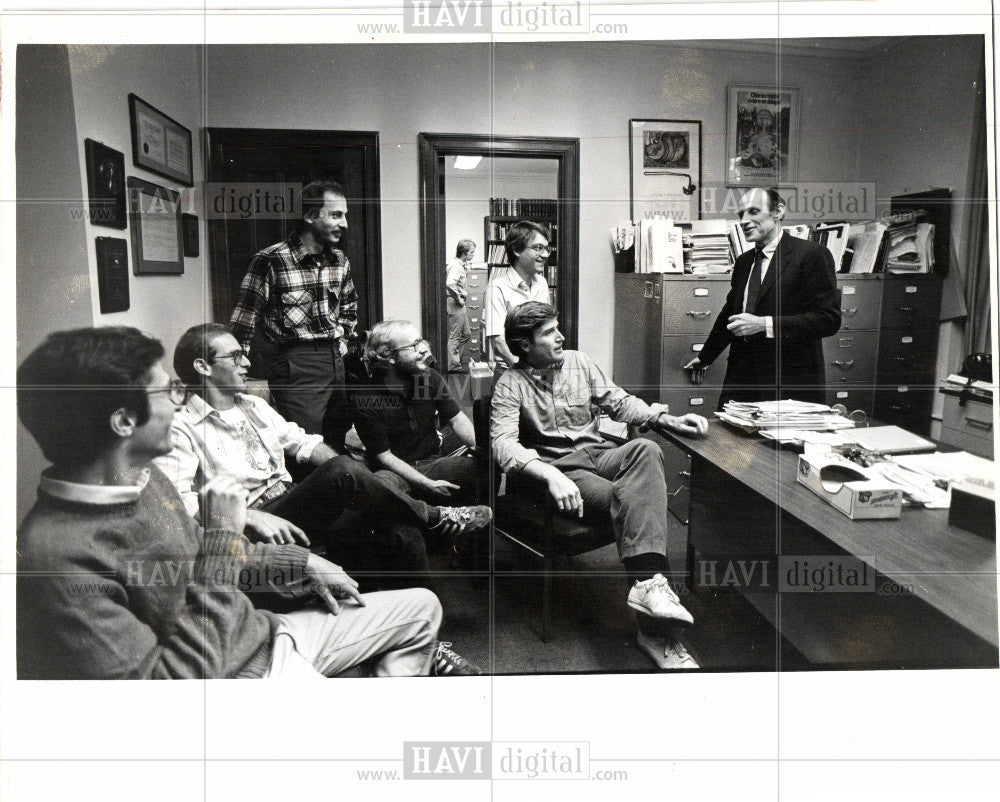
{"x":667,"y":652}
{"x":655,"y":597}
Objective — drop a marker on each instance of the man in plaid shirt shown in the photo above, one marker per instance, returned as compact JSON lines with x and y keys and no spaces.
{"x":300,"y":297}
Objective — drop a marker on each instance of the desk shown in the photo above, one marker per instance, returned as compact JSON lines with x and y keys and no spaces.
{"x":746,"y":502}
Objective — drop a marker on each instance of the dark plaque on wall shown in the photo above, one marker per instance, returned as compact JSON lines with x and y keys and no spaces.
{"x":105,"y":184}
{"x":189,"y":224}
{"x":112,"y":274}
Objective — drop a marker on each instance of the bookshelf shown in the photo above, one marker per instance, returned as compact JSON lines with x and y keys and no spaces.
{"x":504,"y":212}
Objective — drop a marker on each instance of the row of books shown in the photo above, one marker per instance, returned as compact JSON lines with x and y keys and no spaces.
{"x":661,"y":246}
{"x":894,"y":245}
{"x":530,"y":208}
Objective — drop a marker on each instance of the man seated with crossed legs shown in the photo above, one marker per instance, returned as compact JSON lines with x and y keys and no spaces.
{"x":373,"y":529}
{"x":544,"y":425}
{"x":115,"y":580}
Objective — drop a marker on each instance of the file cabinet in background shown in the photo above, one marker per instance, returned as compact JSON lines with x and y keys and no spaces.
{"x":475,"y":282}
{"x":882,"y":360}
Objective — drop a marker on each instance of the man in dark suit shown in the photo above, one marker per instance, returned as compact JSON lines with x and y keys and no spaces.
{"x":782,"y":303}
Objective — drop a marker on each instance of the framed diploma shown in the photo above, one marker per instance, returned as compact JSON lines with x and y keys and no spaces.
{"x":160,"y":144}
{"x":157,"y":236}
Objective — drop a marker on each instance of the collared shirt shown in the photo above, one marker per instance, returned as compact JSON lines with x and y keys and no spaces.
{"x":101,"y":495}
{"x":295,"y":295}
{"x":455,"y":280}
{"x":404,"y":421}
{"x":253,"y":452}
{"x":507,"y":290}
{"x":547,"y":414}
{"x":768,"y":251}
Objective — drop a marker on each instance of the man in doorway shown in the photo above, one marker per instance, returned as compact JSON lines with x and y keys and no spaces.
{"x":782,"y":302}
{"x":117,"y":581}
{"x":459,"y":330}
{"x":544,"y":426}
{"x":300,"y":295}
{"x":527,"y":248}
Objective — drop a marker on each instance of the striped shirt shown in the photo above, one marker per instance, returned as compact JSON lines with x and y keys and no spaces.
{"x":251,"y":447}
{"x":295,"y":295}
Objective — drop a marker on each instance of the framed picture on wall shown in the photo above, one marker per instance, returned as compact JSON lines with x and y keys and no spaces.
{"x":160,"y":144}
{"x":105,"y":184}
{"x":762,"y":136}
{"x":157,"y":236}
{"x":665,"y":169}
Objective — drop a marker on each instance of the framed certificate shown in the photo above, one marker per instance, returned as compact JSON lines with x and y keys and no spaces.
{"x":160,"y":144}
{"x":157,"y":236}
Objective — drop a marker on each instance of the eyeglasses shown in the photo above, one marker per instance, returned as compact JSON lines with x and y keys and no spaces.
{"x":176,"y":391}
{"x":546,"y":249}
{"x":416,"y":345}
{"x":235,"y":357}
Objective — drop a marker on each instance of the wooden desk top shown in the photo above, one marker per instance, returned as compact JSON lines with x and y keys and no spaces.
{"x":952,"y":570}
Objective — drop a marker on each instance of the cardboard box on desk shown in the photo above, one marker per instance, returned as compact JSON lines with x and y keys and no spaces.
{"x":849,"y":488}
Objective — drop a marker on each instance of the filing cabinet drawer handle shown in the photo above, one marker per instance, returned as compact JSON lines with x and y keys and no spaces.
{"x":849,"y":312}
{"x":978,"y":424}
{"x":844,"y":365}
{"x":685,"y":474}
{"x":905,"y":309}
{"x":695,"y":313}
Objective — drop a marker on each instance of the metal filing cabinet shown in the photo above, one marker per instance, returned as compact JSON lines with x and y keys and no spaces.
{"x":881,"y":361}
{"x":907,"y":353}
{"x":475,"y":282}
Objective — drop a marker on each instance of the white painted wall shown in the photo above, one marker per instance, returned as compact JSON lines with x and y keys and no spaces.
{"x":169,"y":79}
{"x":585,"y":90}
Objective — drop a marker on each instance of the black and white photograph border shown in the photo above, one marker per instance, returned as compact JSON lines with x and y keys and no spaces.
{"x":905,"y":704}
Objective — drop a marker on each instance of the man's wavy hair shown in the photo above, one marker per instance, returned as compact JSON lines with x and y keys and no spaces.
{"x":69,"y":387}
{"x":380,"y":345}
{"x":522,"y":322}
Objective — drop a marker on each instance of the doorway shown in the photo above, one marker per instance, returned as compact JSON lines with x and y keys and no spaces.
{"x":253,"y":156}
{"x":557,"y":160}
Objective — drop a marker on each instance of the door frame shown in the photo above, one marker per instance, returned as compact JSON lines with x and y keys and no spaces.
{"x":433,"y":255}
{"x":217,"y":138}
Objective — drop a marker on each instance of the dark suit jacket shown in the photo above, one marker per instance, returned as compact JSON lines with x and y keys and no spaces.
{"x":800,"y":293}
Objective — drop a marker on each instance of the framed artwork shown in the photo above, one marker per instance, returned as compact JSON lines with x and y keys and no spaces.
{"x":157,"y":235}
{"x":112,"y":274}
{"x":665,"y":169}
{"x":160,"y":144}
{"x":105,"y":184}
{"x":762,"y":136}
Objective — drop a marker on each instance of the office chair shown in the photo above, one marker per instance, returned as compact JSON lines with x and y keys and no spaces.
{"x":527,"y":516}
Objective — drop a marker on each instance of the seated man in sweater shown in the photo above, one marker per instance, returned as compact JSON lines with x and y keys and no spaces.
{"x":544,"y":426}
{"x":371,"y":528}
{"x":116,"y":581}
{"x":397,"y":415}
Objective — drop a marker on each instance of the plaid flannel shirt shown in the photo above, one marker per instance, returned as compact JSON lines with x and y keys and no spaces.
{"x":295,"y":295}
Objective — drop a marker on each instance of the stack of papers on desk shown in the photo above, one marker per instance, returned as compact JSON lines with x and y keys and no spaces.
{"x":788,"y":414}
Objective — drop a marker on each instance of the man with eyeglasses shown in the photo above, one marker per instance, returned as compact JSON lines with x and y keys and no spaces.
{"x":398,"y":414}
{"x":527,"y":248}
{"x":372,"y":528}
{"x":116,"y":581}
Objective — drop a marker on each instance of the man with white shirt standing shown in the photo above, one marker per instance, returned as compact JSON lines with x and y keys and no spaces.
{"x":527,"y":248}
{"x":782,"y":302}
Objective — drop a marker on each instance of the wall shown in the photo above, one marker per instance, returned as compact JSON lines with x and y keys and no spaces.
{"x":169,"y":79}
{"x":53,"y":284}
{"x":585,"y":90}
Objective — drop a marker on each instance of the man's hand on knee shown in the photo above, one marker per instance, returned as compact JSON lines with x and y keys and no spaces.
{"x":270,"y":528}
{"x":565,"y":493}
{"x":329,"y":581}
